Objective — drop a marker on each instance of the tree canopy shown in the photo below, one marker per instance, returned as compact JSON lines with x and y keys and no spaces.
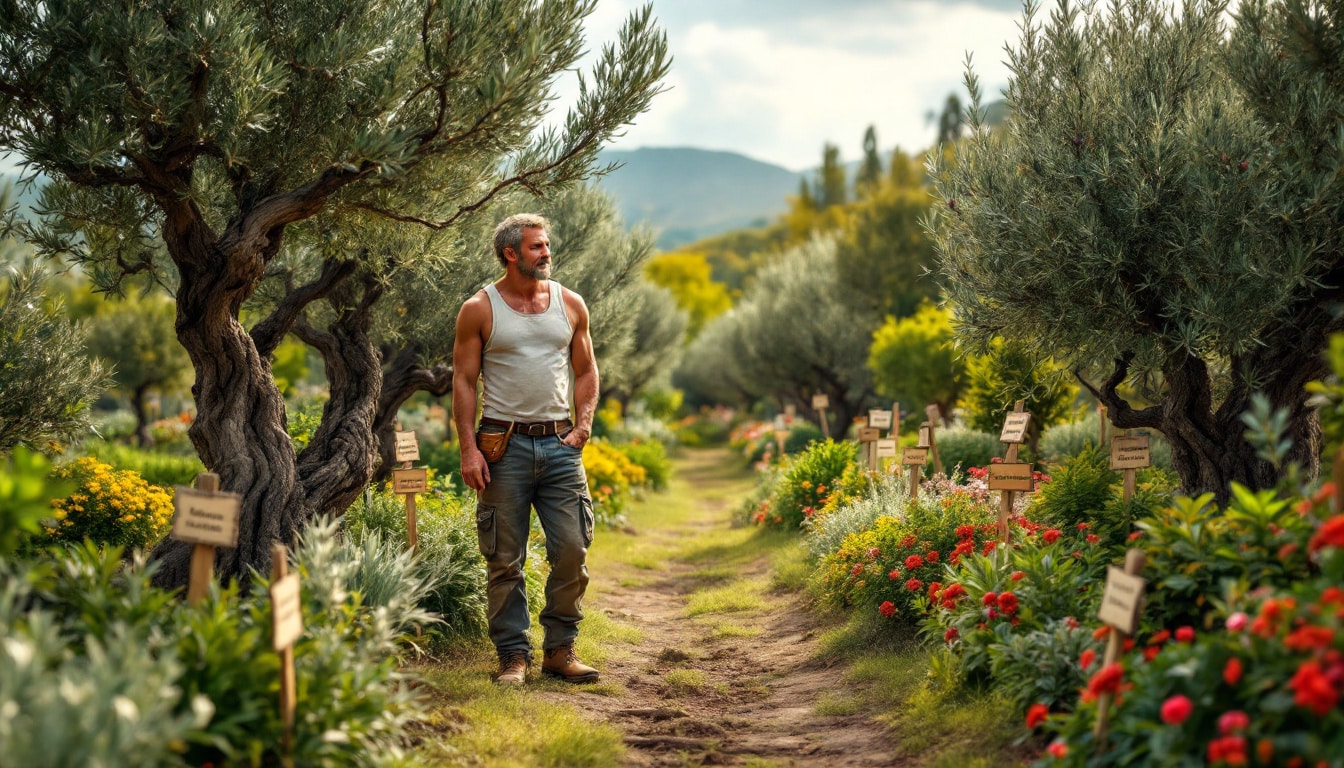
{"x":1161,"y":206}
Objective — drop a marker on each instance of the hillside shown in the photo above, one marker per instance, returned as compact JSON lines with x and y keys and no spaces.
{"x":688,"y":194}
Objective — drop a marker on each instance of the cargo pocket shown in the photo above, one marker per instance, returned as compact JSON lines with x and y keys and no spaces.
{"x":485,"y":528}
{"x":586,"y":518}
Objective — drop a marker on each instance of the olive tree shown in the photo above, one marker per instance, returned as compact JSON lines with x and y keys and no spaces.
{"x":136,"y":337}
{"x":1162,"y":206}
{"x":305,"y":162}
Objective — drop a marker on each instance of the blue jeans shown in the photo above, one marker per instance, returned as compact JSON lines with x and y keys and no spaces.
{"x":544,"y":473}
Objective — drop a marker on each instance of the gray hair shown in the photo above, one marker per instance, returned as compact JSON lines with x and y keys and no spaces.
{"x":509,"y":233}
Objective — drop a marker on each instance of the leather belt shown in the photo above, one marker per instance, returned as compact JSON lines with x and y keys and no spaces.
{"x":531,"y":428}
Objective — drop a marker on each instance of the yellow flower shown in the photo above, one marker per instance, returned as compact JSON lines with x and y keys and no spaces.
{"x":59,"y":514}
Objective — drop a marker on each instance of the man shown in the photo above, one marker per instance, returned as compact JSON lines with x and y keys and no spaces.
{"x":522,"y":336}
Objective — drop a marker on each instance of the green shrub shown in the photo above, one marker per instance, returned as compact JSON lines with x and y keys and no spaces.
{"x":26,"y":490}
{"x":702,"y":431}
{"x":827,"y":531}
{"x":1061,"y":442}
{"x":157,"y":467}
{"x":652,"y":457}
{"x":99,"y":664}
{"x":1079,"y":489}
{"x":963,"y":447}
{"x":806,"y":479}
{"x":1043,"y":666}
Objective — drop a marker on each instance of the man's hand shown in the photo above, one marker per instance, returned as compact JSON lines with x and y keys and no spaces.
{"x":577,"y":437}
{"x":475,"y":470}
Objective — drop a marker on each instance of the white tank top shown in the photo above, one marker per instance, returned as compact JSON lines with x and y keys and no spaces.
{"x":525,"y":364}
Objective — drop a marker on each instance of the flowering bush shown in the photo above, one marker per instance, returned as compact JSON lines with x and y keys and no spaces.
{"x":900,"y":558}
{"x":108,"y":506}
{"x":804,"y":483}
{"x":1264,"y":687}
{"x":611,"y":476}
{"x":651,"y":456}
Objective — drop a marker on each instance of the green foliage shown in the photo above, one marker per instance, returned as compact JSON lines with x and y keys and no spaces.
{"x":851,"y":513}
{"x":687,"y":276}
{"x":290,"y":365}
{"x":1042,"y":667}
{"x":805,"y":481}
{"x":102,"y":664}
{"x":966,"y":448}
{"x":26,"y":491}
{"x":651,"y":456}
{"x":1331,"y":389}
{"x":46,"y":381}
{"x":1061,"y":441}
{"x":995,"y":381}
{"x":914,"y":362}
{"x":137,"y":339}
{"x":155,"y":467}
{"x":883,"y":254}
{"x":1196,"y":549}
{"x":1078,"y":489}
{"x":831,"y":187}
{"x":108,"y":506}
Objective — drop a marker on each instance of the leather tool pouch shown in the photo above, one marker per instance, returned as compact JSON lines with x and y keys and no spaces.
{"x":493,"y":444}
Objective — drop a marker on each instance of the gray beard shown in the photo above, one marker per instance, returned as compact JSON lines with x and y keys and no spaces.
{"x":536,"y":273}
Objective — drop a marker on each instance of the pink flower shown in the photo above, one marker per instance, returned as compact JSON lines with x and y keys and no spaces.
{"x":1176,"y":709}
{"x":1237,"y":621}
{"x":1235,"y":721}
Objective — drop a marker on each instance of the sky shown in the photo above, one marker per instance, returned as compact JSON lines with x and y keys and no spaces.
{"x":776,"y":79}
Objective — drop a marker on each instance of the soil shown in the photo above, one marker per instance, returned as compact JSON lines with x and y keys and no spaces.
{"x":758,"y":701}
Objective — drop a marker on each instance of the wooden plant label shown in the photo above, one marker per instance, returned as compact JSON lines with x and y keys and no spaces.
{"x":879,"y":419}
{"x":1131,"y":452}
{"x":286,"y":612}
{"x":206,"y":518}
{"x":1015,"y":428}
{"x":407,"y":447}
{"x":820,"y":402}
{"x":886,"y":449}
{"x":1120,"y":601}
{"x":790,"y":411}
{"x":915,"y":457}
{"x":410,"y":480}
{"x":924,"y":436}
{"x":869,"y":434}
{"x":1015,"y":476}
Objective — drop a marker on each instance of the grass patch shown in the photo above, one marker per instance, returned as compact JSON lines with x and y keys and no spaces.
{"x":725,"y":629}
{"x":681,"y":682}
{"x":832,"y":704}
{"x":733,"y":598}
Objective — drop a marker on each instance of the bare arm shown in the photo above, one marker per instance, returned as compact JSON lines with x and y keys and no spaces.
{"x":467,"y":348}
{"x":583,"y":362}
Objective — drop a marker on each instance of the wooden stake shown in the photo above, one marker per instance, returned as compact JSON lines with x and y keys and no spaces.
{"x":932,"y":412}
{"x":915,"y":473}
{"x":1007,"y":498}
{"x":825,"y":427}
{"x":202,"y":555}
{"x":1134,"y":562}
{"x":1101,"y":418}
{"x":288,"y":683}
{"x":1131,"y":477}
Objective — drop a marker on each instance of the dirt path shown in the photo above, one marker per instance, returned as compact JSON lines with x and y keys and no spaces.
{"x":727,"y":688}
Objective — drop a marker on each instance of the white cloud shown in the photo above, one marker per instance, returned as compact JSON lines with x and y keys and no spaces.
{"x":776,"y":80}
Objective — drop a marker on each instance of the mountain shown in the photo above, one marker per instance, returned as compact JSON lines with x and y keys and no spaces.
{"x":688,"y":194}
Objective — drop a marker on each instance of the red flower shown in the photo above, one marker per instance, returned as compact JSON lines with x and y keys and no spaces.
{"x":1265,"y":751}
{"x":895,"y":574}
{"x":1160,"y":637}
{"x":874,"y":553}
{"x":1228,"y":749}
{"x":1051,"y":536}
{"x":1232,"y":671}
{"x":887,"y":609}
{"x":914,"y":585}
{"x":1313,"y":690}
{"x":989,"y":599}
{"x":1330,"y":534}
{"x":1101,"y":632}
{"x":1082,"y":526}
{"x":1058,"y":750}
{"x":934,"y":588}
{"x":1106,"y":680}
{"x":1151,"y":652}
{"x":856,"y":570}
{"x":1018,"y":575}
{"x":1235,"y":721}
{"x":914,"y":561}
{"x":1036,"y":714}
{"x":1309,"y":637}
{"x":932,"y":557}
{"x":1087,"y":658}
{"x":1134,"y":536}
{"x":965,"y":531}
{"x":950,"y":635}
{"x":1008,"y":602}
{"x":1332,"y":595}
{"x":1092,"y":538}
{"x":1070,"y":622}
{"x":953,"y":591}
{"x":989,"y":547}
{"x":908,"y":542}
{"x":1185,"y":634}
{"x":1176,"y":709}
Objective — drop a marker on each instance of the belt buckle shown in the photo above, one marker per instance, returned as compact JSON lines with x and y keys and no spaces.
{"x":535,"y":429}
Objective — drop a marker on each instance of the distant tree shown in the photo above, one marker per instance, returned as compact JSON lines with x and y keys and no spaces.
{"x":951,"y":122}
{"x":1159,"y":208}
{"x":870,"y":171}
{"x":656,"y":342}
{"x":795,"y":333}
{"x":914,"y":361}
{"x":831,"y":181}
{"x":997,"y":380}
{"x":805,"y":199}
{"x":311,"y":161}
{"x":47,"y":381}
{"x":136,"y":337}
{"x":687,"y":276}
{"x":883,"y":254}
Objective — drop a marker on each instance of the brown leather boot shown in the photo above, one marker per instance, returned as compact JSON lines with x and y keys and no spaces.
{"x":512,"y":667}
{"x":563,"y":663}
